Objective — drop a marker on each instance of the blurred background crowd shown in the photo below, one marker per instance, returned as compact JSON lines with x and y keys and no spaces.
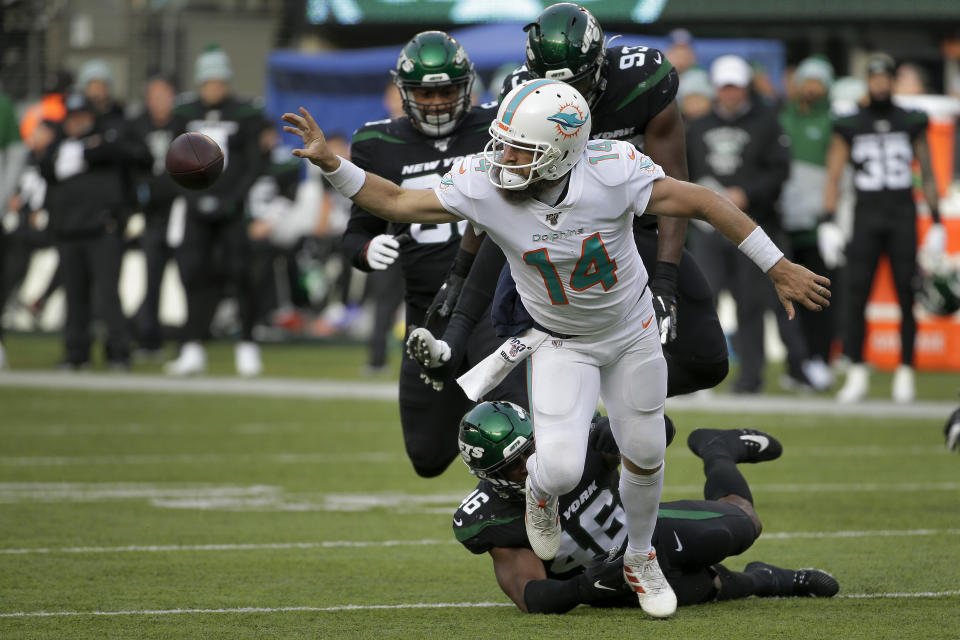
{"x":121,"y":76}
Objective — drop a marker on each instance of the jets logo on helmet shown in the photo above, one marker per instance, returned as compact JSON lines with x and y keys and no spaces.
{"x":551,"y":119}
{"x":569,"y":120}
{"x":566,"y":43}
{"x":495,"y":437}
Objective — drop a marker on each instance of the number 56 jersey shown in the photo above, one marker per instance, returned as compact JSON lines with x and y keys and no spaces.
{"x":575,"y":264}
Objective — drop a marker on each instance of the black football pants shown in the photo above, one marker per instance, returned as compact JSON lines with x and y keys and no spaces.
{"x":214,"y":260}
{"x":876,"y":232}
{"x":91,"y":272}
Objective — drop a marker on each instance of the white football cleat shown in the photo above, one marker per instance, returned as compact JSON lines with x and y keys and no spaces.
{"x":543,"y":524}
{"x":246,"y":356}
{"x":904,"y":390}
{"x":191,"y":361}
{"x":423,"y":347}
{"x":642,"y":572}
{"x":856,"y":385}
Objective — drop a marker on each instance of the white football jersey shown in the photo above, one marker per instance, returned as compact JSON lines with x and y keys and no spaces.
{"x":575,"y":264}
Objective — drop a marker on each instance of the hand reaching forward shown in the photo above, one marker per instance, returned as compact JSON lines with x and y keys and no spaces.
{"x":796,"y":283}
{"x":315,"y":147}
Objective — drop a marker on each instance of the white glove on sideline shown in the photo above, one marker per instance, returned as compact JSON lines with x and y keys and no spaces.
{"x":382,"y":251}
{"x":935,"y":241}
{"x":831,"y":243}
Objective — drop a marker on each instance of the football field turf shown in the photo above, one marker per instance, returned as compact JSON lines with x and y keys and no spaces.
{"x":157,"y":515}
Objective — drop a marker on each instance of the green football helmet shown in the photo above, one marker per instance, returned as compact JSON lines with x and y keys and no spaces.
{"x":566,"y":43}
{"x":494,"y":436}
{"x":433,"y":60}
{"x":940,"y":291}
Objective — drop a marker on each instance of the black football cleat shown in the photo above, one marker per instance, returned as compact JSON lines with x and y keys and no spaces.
{"x":774,"y":582}
{"x":743,"y":445}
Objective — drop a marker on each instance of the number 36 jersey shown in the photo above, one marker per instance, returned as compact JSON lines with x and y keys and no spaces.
{"x":575,"y":264}
{"x":881,"y":150}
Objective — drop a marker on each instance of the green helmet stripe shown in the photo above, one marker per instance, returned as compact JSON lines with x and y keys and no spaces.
{"x":514,"y":104}
{"x":647,"y":84}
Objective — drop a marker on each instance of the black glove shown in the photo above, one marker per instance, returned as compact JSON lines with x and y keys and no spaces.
{"x":445,"y":301}
{"x":664,"y":289}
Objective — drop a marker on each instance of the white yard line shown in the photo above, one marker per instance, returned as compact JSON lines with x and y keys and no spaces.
{"x":273,"y":498}
{"x":333,"y":544}
{"x":387,"y":391}
{"x":374,"y":607}
{"x":201,"y":458}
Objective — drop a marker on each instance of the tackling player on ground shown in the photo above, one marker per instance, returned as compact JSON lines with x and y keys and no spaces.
{"x":631,"y":92}
{"x":437,"y":130}
{"x":580,"y":277}
{"x":691,"y":537}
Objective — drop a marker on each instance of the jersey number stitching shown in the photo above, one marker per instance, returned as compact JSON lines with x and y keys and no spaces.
{"x":594,"y":267}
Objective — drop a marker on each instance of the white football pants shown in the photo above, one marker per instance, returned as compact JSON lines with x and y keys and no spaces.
{"x":625,"y":366}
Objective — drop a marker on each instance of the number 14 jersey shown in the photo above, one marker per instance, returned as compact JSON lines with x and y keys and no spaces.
{"x":575,"y":264}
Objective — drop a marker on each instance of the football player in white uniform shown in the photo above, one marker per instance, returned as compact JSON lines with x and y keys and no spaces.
{"x":561,"y":207}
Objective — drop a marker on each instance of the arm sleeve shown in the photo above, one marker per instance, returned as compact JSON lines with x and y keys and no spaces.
{"x":773,"y":170}
{"x":475,"y":298}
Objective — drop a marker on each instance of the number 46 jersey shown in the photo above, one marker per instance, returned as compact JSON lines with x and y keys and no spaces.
{"x":575,"y":264}
{"x":591,"y":517}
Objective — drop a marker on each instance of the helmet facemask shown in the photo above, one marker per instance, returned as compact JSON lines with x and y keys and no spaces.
{"x":506,"y":176}
{"x":436,"y":119}
{"x":434,"y":60}
{"x":499,"y":475}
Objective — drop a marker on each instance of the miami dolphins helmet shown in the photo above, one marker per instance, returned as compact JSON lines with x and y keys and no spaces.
{"x":566,"y":43}
{"x":549,"y":118}
{"x":493,"y":437}
{"x":432,"y":59}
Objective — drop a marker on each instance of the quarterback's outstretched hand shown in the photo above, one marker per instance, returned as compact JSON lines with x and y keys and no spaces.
{"x":315,"y":147}
{"x":796,"y":283}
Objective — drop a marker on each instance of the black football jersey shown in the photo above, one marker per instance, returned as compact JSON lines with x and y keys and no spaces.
{"x":591,"y":517}
{"x":235,"y":125}
{"x":641,"y":83}
{"x":881,"y":151}
{"x":397,"y":151}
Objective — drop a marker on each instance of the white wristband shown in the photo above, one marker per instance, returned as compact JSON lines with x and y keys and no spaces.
{"x":348,"y":178}
{"x":760,"y":248}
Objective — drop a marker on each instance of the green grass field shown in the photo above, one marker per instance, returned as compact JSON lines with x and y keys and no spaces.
{"x":126,"y":515}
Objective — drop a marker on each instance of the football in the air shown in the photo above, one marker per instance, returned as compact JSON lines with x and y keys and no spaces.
{"x":194,"y":160}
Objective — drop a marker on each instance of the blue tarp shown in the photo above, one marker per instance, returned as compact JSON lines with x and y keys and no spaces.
{"x":344,"y":89}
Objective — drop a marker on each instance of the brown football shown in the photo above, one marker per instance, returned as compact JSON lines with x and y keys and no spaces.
{"x":194,"y":160}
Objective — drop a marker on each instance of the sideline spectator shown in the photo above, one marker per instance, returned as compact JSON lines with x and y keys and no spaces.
{"x":806,"y":120}
{"x":740,"y":150}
